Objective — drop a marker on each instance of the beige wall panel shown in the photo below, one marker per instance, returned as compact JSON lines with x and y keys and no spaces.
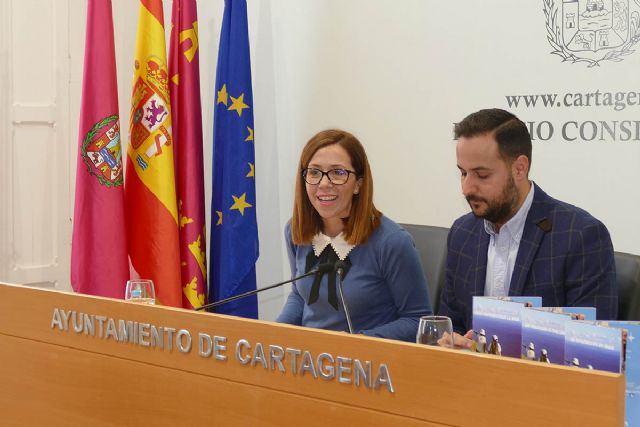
{"x":34,"y":51}
{"x":34,"y":199}
{"x":35,"y":142}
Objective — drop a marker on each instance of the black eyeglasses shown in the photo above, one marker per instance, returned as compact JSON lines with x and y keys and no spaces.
{"x":313,"y":176}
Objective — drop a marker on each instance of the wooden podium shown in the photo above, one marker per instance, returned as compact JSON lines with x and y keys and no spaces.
{"x":69,"y":359}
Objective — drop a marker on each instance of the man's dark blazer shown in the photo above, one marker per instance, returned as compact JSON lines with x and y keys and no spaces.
{"x":565,"y":256}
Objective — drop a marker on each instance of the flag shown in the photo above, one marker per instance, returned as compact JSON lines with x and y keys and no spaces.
{"x":186,"y":118}
{"x":234,"y":232}
{"x":150,"y":193}
{"x":99,"y":264}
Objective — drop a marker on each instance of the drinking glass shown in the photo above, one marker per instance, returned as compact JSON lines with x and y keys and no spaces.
{"x":435,"y":330}
{"x":140,"y":291}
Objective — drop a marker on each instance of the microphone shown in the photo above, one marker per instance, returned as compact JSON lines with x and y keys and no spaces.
{"x":340,"y":268}
{"x":320,"y":269}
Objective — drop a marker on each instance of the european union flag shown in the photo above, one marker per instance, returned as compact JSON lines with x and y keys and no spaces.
{"x":234,"y":231}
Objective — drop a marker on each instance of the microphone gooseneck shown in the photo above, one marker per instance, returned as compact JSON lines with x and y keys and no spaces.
{"x":320,"y":269}
{"x":340,"y":268}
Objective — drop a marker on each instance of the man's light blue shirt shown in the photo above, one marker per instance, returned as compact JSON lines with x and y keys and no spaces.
{"x":503,"y":250}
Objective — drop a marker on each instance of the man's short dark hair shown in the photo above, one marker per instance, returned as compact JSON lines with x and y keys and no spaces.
{"x":510,"y":133}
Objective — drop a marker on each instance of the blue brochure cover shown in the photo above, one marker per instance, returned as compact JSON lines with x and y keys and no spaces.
{"x":631,"y":337}
{"x":593,"y":345}
{"x":497,"y":325}
{"x":543,"y":335}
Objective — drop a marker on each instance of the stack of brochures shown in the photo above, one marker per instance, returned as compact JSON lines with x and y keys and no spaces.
{"x":570,"y":336}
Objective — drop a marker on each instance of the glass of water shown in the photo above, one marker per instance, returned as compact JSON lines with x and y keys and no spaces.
{"x":435,"y":330}
{"x":140,"y":291}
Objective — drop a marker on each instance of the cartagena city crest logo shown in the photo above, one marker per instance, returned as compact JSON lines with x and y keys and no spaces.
{"x":101,"y":152}
{"x":592,"y":31}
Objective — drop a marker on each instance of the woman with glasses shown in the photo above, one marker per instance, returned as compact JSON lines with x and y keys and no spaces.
{"x":335,"y":223}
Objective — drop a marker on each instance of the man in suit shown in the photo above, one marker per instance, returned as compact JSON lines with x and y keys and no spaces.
{"x":517,"y":240}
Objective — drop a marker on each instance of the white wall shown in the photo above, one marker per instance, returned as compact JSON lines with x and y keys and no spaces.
{"x":35,"y":227}
{"x":398,"y":74}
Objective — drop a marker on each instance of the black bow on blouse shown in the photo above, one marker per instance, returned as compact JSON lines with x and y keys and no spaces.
{"x":328,"y":255}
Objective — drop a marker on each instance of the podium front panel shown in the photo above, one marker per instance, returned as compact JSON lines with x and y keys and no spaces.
{"x":67,"y":358}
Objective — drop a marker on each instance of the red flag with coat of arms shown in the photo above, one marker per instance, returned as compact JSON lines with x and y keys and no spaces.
{"x":99,"y":263}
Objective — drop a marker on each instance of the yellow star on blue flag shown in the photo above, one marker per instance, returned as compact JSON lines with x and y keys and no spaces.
{"x":240,"y":203}
{"x":237,"y":104}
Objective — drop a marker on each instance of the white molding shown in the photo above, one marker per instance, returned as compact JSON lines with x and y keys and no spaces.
{"x":65,"y":145}
{"x":5,"y":135}
{"x":34,"y":113}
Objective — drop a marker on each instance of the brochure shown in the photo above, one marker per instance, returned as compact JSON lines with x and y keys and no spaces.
{"x":631,"y":367}
{"x":593,"y":345}
{"x":543,"y":332}
{"x":497,"y":323}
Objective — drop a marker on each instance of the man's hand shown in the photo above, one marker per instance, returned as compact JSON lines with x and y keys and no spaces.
{"x":463,"y":341}
{"x":459,"y":341}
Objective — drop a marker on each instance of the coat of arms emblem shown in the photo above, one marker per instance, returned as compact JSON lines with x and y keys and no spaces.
{"x":592,"y":31}
{"x":149,"y":129}
{"x":101,"y":151}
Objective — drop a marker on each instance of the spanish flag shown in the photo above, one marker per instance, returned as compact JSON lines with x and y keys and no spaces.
{"x":186,"y":116}
{"x":150,"y":191}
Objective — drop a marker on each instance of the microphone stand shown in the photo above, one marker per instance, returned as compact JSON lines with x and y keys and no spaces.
{"x":340,"y":272}
{"x":255,"y":291}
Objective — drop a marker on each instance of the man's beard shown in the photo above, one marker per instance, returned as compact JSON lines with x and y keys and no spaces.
{"x":500,"y":210}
